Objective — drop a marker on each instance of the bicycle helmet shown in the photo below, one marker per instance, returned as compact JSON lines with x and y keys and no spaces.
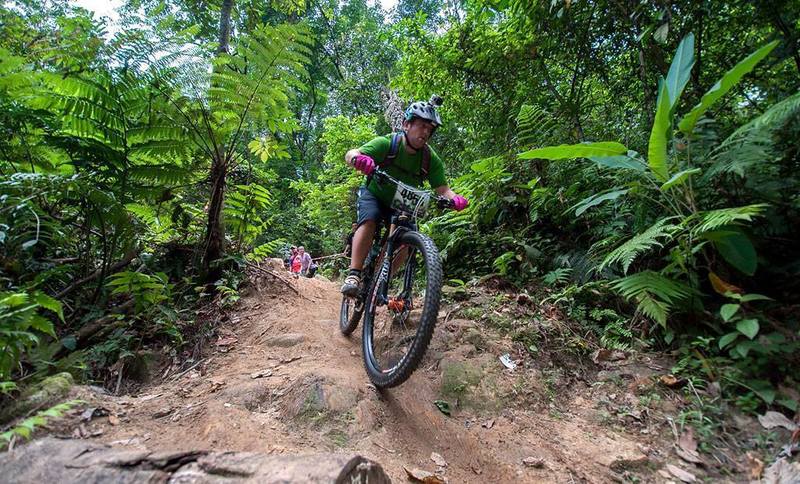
{"x":425,"y":110}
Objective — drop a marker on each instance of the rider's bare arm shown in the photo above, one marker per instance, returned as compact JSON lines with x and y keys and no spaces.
{"x":445,"y":191}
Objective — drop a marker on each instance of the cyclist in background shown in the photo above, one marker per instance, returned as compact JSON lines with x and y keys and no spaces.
{"x":405,"y":156}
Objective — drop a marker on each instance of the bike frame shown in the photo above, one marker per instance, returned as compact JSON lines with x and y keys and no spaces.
{"x":400,"y":223}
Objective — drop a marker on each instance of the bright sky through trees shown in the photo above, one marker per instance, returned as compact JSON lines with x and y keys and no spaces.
{"x":107,"y":8}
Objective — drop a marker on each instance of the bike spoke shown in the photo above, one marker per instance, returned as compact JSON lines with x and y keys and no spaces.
{"x":394,"y":328}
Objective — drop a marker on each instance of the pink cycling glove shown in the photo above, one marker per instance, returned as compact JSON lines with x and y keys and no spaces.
{"x":364,"y":164}
{"x":460,"y":203}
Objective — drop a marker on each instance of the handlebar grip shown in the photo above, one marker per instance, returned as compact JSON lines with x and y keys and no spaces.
{"x":442,"y":202}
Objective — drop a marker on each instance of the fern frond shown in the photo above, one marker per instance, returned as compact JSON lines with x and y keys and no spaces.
{"x":163,"y":174}
{"x":534,"y":126}
{"x":269,"y":249}
{"x":656,"y":295}
{"x":753,"y":143}
{"x":655,"y":236}
{"x":714,"y":219}
{"x":558,"y":276}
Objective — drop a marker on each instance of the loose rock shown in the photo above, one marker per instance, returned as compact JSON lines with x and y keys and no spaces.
{"x":286,"y":340}
{"x":535,"y":462}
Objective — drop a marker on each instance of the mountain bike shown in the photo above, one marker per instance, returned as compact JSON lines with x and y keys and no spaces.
{"x":402,"y":272}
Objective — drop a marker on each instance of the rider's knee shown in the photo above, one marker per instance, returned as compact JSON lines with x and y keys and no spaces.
{"x":368,"y":225}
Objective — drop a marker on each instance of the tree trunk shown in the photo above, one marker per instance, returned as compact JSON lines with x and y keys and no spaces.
{"x":214,"y":244}
{"x":225,"y":27}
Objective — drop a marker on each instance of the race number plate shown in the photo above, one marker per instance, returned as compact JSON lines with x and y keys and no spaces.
{"x":411,"y":200}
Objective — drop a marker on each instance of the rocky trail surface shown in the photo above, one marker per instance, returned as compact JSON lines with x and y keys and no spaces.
{"x":282,"y":380}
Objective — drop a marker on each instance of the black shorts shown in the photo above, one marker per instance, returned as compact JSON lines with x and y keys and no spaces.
{"x":370,"y":208}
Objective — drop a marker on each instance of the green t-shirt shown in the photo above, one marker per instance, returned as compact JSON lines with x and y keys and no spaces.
{"x":405,"y":167}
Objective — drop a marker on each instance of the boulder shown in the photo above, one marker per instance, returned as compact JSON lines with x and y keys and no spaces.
{"x":46,"y":393}
{"x":78,"y":461}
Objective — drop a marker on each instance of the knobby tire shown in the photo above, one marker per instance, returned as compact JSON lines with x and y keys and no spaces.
{"x":348,"y":316}
{"x":427,"y":323}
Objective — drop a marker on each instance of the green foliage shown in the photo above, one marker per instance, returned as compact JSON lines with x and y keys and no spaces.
{"x":725,"y":84}
{"x":655,"y":236}
{"x":657,"y":147}
{"x":752,"y":146}
{"x":597,"y":199}
{"x":255,"y":84}
{"x":270,"y":249}
{"x":146,"y":290}
{"x":244,"y":209}
{"x":25,"y":428}
{"x":534,"y":126}
{"x":655,"y":294}
{"x":558,"y":276}
{"x":22,"y":325}
{"x":328,"y":203}
{"x":585,"y":150}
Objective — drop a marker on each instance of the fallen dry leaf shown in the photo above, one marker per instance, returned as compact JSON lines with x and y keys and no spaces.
{"x":113,"y":419}
{"x":424,"y":477}
{"x":475,"y":468}
{"x":681,"y":474}
{"x":608,"y":355}
{"x":93,"y":412}
{"x":488,"y":424}
{"x":163,"y":412}
{"x":721,"y":286}
{"x":782,"y":471}
{"x":756,"y":466}
{"x":671,"y":380}
{"x":227,"y":341}
{"x":687,"y":442}
{"x":776,"y":419}
{"x":438,"y":459}
{"x":687,"y":447}
{"x":691,"y":457}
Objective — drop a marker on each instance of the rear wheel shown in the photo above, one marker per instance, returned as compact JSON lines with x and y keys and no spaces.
{"x":399,"y":323}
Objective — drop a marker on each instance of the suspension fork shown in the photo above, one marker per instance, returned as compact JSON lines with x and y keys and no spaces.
{"x":381,"y":296}
{"x":383,"y":274}
{"x":408,"y":277}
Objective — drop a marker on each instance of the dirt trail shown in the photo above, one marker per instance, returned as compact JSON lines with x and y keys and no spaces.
{"x":313,"y":395}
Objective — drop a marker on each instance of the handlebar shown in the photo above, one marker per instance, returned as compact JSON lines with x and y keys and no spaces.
{"x":441,"y":202}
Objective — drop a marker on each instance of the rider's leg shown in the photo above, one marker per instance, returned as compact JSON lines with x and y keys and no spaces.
{"x":362,"y":241}
{"x":369,"y":213}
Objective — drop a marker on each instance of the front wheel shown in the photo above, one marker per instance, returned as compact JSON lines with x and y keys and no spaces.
{"x":401,"y":310}
{"x":349,"y":315}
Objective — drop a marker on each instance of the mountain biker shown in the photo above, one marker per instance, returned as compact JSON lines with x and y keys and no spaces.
{"x":374,"y":199}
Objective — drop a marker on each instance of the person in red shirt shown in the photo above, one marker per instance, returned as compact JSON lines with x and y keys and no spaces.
{"x":296,"y":264}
